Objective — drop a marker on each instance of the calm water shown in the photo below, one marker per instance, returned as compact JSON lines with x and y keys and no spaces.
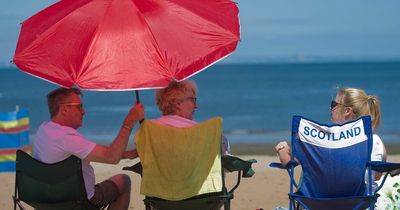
{"x":256,"y":101}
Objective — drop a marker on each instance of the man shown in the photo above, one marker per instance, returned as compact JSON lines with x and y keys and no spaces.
{"x":58,"y":138}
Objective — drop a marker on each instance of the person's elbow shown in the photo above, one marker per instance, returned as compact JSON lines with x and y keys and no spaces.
{"x":112,"y":158}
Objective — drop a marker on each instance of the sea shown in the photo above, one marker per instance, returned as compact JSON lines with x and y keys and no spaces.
{"x":256,"y":101}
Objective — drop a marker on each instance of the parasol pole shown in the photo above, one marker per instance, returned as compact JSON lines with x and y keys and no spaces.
{"x":137,"y":96}
{"x":138,"y":101}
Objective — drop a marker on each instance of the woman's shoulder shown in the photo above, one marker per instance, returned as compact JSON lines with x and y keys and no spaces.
{"x":174,"y":120}
{"x":376,"y":138}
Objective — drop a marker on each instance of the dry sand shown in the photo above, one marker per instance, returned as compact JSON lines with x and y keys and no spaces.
{"x":267,"y":189}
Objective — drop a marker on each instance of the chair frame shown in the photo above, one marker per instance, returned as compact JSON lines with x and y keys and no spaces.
{"x":214,"y":200}
{"x":46,"y":194}
{"x":242,"y":167}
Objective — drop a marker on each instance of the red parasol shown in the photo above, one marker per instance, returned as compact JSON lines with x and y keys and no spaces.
{"x":126,"y":44}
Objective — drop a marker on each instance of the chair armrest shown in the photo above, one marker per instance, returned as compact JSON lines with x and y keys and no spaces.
{"x":137,"y":168}
{"x":233,"y":163}
{"x":288,"y":165}
{"x":230,"y":163}
{"x":277,"y":165}
{"x":392,"y":168}
{"x":394,"y":172}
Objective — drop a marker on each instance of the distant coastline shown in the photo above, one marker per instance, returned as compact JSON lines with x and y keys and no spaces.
{"x":281,"y":61}
{"x":306,"y":60}
{"x":268,"y":149}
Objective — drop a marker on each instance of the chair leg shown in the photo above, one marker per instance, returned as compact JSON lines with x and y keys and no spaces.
{"x":17,"y":203}
{"x":227,"y":205}
{"x":109,"y":207}
{"x":148,"y":207}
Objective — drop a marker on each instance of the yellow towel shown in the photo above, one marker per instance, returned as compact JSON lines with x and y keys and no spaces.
{"x":180,"y":163}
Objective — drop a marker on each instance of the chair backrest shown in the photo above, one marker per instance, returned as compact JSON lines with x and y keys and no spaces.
{"x":179,"y":163}
{"x":50,"y":186}
{"x":333,"y":158}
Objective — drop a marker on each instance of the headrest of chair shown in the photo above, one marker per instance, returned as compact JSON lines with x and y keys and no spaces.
{"x":332,"y":136}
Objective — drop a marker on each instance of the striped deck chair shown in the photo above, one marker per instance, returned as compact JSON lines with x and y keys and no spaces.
{"x":14,"y":135}
{"x":336,"y":165}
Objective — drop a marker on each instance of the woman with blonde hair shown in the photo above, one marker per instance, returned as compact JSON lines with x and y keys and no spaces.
{"x":350,"y":104}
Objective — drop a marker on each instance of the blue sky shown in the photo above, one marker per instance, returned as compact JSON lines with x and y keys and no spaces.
{"x":278,"y":31}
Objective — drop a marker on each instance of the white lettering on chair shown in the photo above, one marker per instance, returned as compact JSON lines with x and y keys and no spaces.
{"x":336,"y":136}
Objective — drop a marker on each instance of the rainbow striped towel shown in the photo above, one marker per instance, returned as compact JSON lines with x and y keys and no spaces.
{"x":14,"y":135}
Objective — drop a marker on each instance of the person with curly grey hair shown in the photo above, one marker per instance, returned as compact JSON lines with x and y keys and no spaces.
{"x":178,"y":103}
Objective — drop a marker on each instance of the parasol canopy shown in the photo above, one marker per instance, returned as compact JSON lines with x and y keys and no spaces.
{"x":126,"y":44}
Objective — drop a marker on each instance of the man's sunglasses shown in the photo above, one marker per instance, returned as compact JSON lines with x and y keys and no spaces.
{"x":80,"y":105}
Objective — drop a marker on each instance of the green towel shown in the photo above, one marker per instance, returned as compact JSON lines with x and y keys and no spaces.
{"x":180,"y":163}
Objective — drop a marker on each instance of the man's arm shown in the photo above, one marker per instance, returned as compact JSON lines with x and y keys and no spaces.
{"x":131,"y":154}
{"x":113,"y":153}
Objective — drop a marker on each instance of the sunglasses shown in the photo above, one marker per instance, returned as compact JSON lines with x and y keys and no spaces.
{"x":80,"y":106}
{"x":335,"y":104}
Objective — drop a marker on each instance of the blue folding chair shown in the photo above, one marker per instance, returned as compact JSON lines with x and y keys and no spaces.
{"x":335,"y":161}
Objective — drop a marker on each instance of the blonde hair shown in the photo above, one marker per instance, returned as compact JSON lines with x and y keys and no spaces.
{"x":168,"y":98}
{"x":362,"y":104}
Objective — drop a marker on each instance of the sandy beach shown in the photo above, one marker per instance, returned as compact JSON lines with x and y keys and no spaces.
{"x":267,"y":189}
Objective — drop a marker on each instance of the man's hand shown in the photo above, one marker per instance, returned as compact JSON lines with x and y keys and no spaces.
{"x":282,"y":145}
{"x":135,"y":114}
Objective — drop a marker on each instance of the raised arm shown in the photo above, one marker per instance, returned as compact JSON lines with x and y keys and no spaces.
{"x":113,"y":153}
{"x":283,"y":151}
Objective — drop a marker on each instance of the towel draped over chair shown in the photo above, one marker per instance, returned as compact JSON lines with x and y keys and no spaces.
{"x":196,"y":164}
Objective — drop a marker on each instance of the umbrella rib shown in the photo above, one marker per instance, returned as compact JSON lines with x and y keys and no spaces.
{"x":89,"y":48}
{"x":194,"y":73}
{"x":157,"y":47}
